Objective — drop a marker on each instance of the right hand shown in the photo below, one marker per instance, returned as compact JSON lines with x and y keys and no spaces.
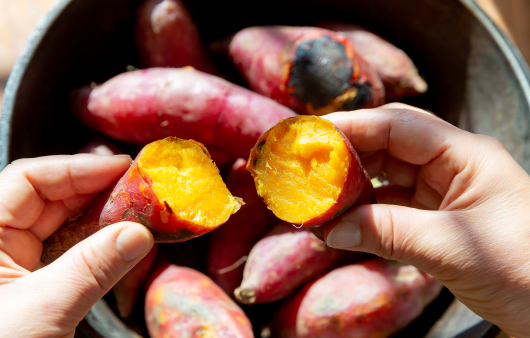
{"x":458,"y":208}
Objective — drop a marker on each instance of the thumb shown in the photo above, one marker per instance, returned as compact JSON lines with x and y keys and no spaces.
{"x":78,"y":279}
{"x":408,"y":235}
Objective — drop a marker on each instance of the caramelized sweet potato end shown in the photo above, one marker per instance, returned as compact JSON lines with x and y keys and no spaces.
{"x":300,"y":168}
{"x":185,"y":179}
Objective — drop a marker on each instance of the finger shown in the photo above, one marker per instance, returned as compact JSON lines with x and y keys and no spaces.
{"x":55,"y":213}
{"x":21,"y":246}
{"x":397,"y":105}
{"x":27,"y":183}
{"x":411,"y":236}
{"x":408,"y":135}
{"x":72,"y":284}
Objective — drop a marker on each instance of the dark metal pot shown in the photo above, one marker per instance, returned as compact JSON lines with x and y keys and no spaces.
{"x":478,"y":81}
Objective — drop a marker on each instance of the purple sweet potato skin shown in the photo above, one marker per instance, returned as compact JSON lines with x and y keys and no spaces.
{"x":182,"y":302}
{"x":374,"y":298}
{"x":232,"y":242}
{"x":167,"y":37}
{"x":397,"y":71}
{"x":281,"y":261}
{"x":128,"y":287}
{"x":146,"y":105}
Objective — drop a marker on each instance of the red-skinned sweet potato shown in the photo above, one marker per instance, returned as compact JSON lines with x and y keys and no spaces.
{"x":307,"y":171}
{"x":370,"y":299}
{"x":167,"y":37}
{"x":309,"y":69}
{"x":283,"y":260}
{"x":172,"y":187}
{"x":146,"y":105}
{"x":128,"y":287}
{"x":182,"y":302}
{"x":230,"y":244}
{"x":397,"y":71}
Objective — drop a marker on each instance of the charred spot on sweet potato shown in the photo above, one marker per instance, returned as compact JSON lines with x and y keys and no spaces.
{"x":184,"y":177}
{"x":321,"y":71}
{"x":302,"y":169}
{"x":362,"y":97}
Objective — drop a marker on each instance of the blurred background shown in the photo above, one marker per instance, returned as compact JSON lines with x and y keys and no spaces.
{"x":19,"y":17}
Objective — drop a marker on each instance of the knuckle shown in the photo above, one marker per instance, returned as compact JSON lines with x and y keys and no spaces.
{"x":389,"y":245}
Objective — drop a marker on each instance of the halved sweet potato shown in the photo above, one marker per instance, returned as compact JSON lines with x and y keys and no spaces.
{"x":172,"y":187}
{"x":307,"y":172}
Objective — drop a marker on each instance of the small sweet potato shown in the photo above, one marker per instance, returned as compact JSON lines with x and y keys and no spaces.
{"x":283,"y":260}
{"x":182,"y":302}
{"x":127,"y":289}
{"x":230,"y":244}
{"x":397,"y":71}
{"x":311,"y":70}
{"x":370,"y":299}
{"x":167,"y":37}
{"x":172,"y":187}
{"x":146,"y":105}
{"x":307,"y":171}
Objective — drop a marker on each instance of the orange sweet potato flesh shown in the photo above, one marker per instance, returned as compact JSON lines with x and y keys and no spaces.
{"x":307,"y":172}
{"x":173,"y":188}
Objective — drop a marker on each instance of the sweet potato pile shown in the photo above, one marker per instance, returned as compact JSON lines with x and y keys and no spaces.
{"x":195,"y":130}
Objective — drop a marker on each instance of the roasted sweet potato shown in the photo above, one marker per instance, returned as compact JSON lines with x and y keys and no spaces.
{"x":230,"y":244}
{"x":182,"y":302}
{"x":146,"y":105}
{"x":309,"y":69}
{"x":370,"y":299}
{"x":167,"y":37}
{"x":397,"y":71}
{"x":172,"y":187}
{"x":281,"y":261}
{"x":128,"y":287}
{"x":307,"y":172}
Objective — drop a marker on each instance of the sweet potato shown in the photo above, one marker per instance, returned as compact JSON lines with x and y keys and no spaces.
{"x":309,"y":69}
{"x":307,"y":171}
{"x":167,"y":37}
{"x":397,"y":71}
{"x":281,"y":261}
{"x":370,"y":299}
{"x":230,"y":244}
{"x":182,"y":302}
{"x":146,"y":105}
{"x":172,"y":187}
{"x":127,"y":289}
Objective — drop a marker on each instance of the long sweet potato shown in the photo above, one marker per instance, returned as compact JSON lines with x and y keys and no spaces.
{"x":172,"y":187}
{"x":309,"y":69}
{"x":167,"y":37}
{"x":370,"y":299}
{"x":397,"y":71}
{"x":182,"y":302}
{"x":307,"y":171}
{"x":283,"y":260}
{"x":230,"y":244}
{"x":146,"y":105}
{"x":127,"y":289}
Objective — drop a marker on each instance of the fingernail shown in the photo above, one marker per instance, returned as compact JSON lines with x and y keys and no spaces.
{"x":122,"y":156}
{"x":132,"y":243}
{"x":344,"y":235}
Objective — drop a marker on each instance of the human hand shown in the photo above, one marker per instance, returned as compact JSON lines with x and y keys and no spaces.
{"x":458,"y":208}
{"x":36,"y":197}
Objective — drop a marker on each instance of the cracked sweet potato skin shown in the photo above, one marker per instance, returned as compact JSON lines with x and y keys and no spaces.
{"x":131,"y":199}
{"x":397,"y":71}
{"x":182,"y":302}
{"x":146,"y":105}
{"x":281,"y":261}
{"x":357,"y":189}
{"x":264,"y":55}
{"x":167,"y":37}
{"x":230,"y":243}
{"x":374,"y":298}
